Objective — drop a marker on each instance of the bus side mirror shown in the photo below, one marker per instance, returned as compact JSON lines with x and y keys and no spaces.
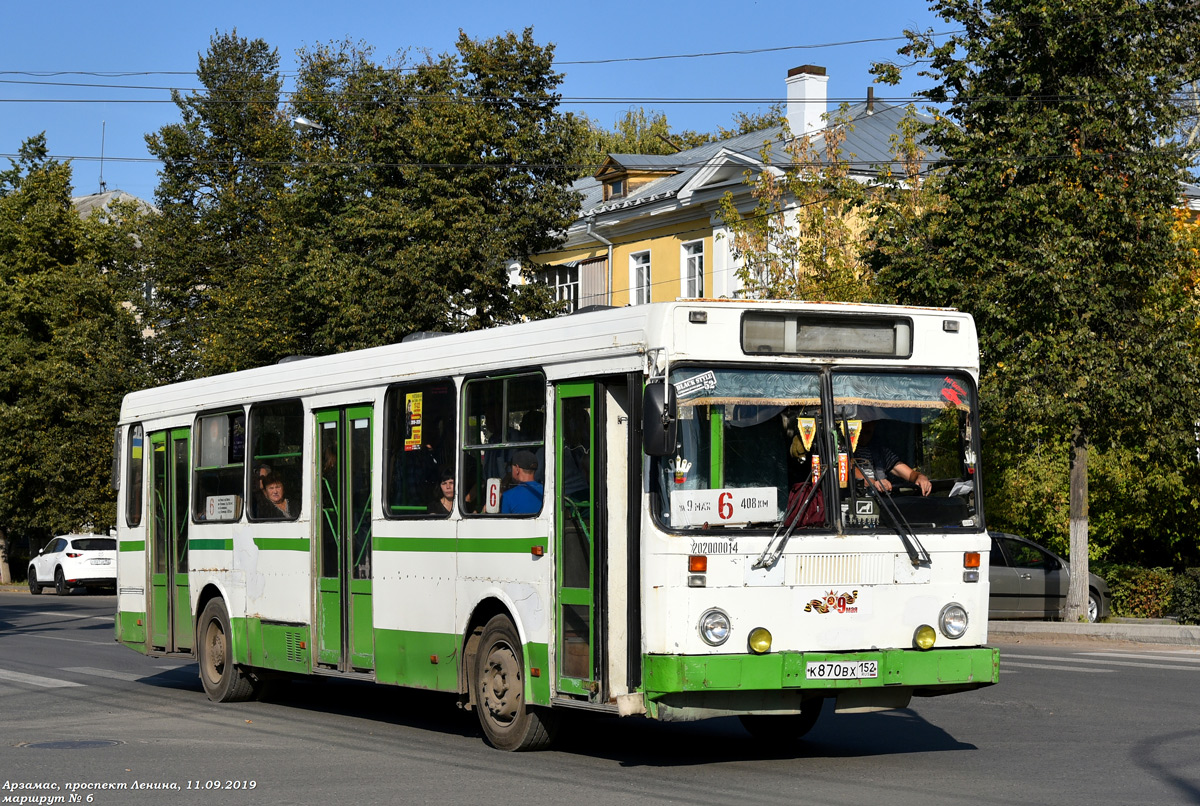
{"x":659,"y":418}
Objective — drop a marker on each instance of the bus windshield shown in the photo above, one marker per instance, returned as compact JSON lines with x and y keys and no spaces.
{"x":752,"y":443}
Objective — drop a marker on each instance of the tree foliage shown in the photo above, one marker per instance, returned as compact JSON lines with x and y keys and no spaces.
{"x":801,"y":239}
{"x":402,"y":210}
{"x":70,"y":352}
{"x":1054,"y":223}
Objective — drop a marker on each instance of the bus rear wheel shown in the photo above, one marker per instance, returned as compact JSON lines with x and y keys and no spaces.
{"x":224,"y":680}
{"x":499,"y":691}
{"x":786,"y":727}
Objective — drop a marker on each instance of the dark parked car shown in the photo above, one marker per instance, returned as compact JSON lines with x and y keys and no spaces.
{"x":1029,"y":581}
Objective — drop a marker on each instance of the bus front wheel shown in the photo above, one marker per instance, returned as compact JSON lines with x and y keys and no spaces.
{"x":499,"y":687}
{"x":224,"y":680}
{"x":784,"y":728}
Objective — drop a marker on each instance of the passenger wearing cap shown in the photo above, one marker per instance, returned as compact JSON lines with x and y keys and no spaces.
{"x":525,"y":496}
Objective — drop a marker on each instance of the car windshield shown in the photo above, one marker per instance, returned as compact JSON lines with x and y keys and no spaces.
{"x":95,"y":544}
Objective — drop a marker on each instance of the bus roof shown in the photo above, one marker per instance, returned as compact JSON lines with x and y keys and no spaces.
{"x":602,"y":341}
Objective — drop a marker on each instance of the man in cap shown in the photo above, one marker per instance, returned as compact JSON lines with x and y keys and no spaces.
{"x":525,"y":496}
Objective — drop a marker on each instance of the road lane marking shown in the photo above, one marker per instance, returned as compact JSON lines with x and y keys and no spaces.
{"x":1004,"y":655}
{"x":1056,"y":668}
{"x":69,"y":615}
{"x":1172,"y":658}
{"x":41,"y":637}
{"x":109,"y":673}
{"x":36,"y":680}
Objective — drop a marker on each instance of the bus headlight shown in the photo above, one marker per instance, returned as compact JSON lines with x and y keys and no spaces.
{"x":924,"y":637}
{"x":714,"y":627}
{"x":760,"y":640}
{"x":953,"y":620}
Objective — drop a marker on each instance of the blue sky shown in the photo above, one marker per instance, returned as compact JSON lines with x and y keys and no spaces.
{"x":156,"y":37}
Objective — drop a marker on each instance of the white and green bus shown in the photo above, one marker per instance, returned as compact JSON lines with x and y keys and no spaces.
{"x":678,"y":510}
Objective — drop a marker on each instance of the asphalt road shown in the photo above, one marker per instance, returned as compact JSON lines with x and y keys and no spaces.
{"x":1069,"y":723}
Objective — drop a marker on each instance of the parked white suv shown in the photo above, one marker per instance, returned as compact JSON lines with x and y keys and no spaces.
{"x":75,"y":561}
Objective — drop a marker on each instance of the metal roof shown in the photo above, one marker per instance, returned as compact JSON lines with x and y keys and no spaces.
{"x":867,"y":147}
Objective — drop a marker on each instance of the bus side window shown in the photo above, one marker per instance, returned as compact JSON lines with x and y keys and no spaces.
{"x":133,"y":478}
{"x":420,"y":437}
{"x":220,"y":456}
{"x":277,"y":451}
{"x":504,"y":444}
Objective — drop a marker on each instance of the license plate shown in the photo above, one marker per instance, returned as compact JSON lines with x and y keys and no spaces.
{"x":101,"y":561}
{"x":841,"y":670}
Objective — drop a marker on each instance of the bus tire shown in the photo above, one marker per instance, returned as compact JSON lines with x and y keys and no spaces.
{"x":224,"y":680}
{"x":499,"y":687}
{"x":785,"y":727}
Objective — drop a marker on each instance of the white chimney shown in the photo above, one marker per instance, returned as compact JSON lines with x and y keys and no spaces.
{"x":806,"y":99}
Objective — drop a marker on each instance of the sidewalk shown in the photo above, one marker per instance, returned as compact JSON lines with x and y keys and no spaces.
{"x":1135,"y":631}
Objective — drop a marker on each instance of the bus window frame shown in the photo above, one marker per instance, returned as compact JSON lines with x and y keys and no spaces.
{"x":196,"y":509}
{"x":133,"y":490}
{"x":464,"y":446}
{"x":389,"y":424}
{"x":249,"y":472}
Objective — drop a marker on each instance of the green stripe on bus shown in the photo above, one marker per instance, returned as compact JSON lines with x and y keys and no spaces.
{"x":131,"y":545}
{"x":468,"y":545}
{"x":209,"y":544}
{"x":282,"y":543}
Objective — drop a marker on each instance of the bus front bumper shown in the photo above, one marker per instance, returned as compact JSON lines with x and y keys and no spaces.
{"x":689,"y":687}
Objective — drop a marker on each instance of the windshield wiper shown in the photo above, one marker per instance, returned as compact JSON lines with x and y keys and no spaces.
{"x":916,"y":552}
{"x":792,"y":517}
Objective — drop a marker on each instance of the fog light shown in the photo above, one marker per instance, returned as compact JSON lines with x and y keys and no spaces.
{"x":924,"y":637}
{"x":714,"y":627}
{"x":760,"y":640}
{"x":953,"y":620}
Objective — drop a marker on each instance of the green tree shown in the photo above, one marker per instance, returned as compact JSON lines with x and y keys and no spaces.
{"x":1055,"y":229}
{"x":69,"y":354}
{"x":423,"y":184}
{"x":220,"y":301}
{"x":801,"y":239}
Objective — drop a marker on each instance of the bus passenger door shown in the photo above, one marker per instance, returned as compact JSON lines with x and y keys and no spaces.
{"x":170,"y":602}
{"x":344,"y":624}
{"x":577,"y":521}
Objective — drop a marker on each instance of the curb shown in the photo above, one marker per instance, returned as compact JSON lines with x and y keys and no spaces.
{"x":1132,"y":631}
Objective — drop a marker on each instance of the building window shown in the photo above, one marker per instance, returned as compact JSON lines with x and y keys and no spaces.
{"x":614,"y":189}
{"x":565,"y":282}
{"x":692,"y":262}
{"x":639,"y":278}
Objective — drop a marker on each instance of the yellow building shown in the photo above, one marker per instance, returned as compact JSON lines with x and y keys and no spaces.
{"x":649,"y":230}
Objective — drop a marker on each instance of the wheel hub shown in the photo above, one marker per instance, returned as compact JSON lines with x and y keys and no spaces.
{"x":501,"y":685}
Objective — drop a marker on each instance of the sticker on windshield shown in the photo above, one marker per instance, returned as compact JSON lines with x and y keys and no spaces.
{"x":734,"y":506}
{"x":704,"y":382}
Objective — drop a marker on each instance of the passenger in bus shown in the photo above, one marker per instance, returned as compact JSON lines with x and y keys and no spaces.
{"x":259,"y":495}
{"x":525,"y":496}
{"x":277,"y":507}
{"x":445,"y":501}
{"x":879,"y":461}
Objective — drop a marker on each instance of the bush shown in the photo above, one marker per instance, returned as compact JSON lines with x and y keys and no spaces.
{"x":1185,"y":598}
{"x":1139,"y":592}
